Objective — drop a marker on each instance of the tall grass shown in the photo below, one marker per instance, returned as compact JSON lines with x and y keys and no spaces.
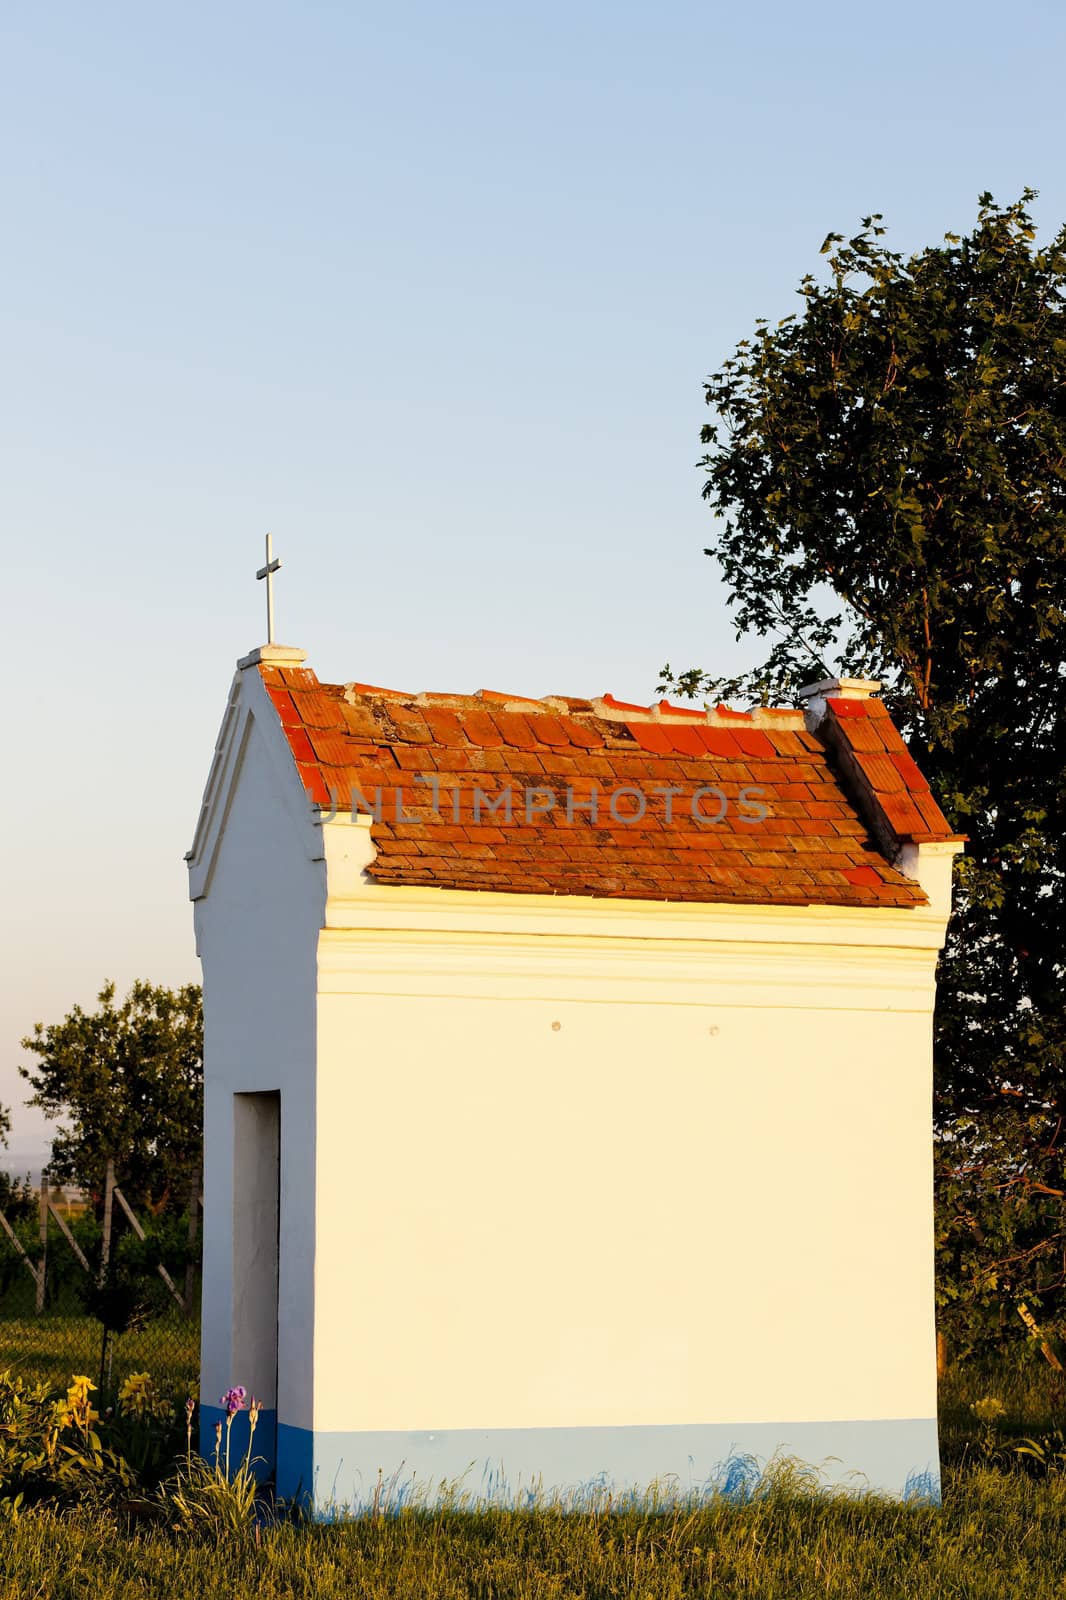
{"x":997,"y":1538}
{"x":1000,"y":1535}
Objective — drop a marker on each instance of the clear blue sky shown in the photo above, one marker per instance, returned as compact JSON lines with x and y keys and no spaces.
{"x":428,"y":291}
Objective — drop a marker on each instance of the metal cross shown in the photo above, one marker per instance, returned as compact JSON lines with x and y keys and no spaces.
{"x":268,"y":572}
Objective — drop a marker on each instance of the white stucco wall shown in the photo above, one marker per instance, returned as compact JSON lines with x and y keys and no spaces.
{"x":257,"y":920}
{"x":606,"y":1179}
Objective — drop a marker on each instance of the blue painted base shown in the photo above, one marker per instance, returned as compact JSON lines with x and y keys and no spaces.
{"x":337,"y":1473}
{"x":264,"y":1447}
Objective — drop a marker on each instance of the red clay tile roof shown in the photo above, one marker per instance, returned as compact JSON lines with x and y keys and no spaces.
{"x":838,"y":803}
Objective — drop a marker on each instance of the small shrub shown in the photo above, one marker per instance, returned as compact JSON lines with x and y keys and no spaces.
{"x":118,"y":1300}
{"x":50,"y":1449}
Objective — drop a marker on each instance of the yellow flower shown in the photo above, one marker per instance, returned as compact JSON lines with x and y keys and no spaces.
{"x":134,"y":1392}
{"x":138,"y":1398}
{"x":78,"y":1405}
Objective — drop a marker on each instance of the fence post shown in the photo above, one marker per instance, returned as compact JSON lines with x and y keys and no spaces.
{"x":105,"y":1257}
{"x":109,"y":1197}
{"x":43,"y":1215}
{"x":194,"y":1222}
{"x":19,"y":1250}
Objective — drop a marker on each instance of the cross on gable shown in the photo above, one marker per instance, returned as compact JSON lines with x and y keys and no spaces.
{"x":267,"y":572}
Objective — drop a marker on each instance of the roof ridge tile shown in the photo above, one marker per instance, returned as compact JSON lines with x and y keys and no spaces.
{"x":353,"y":691}
{"x":506,"y":702}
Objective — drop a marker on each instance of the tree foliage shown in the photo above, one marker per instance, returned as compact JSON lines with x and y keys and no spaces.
{"x":17,"y":1199}
{"x":889,"y":470}
{"x":126,"y":1083}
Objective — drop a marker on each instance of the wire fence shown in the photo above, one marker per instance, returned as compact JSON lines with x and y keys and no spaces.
{"x":103,"y":1290}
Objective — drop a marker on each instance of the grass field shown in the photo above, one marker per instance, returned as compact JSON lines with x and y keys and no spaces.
{"x":996,"y":1538}
{"x":1000,"y":1534}
{"x":54,"y":1347}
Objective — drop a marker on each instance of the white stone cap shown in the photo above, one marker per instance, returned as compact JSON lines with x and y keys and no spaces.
{"x":814,"y":695}
{"x":840,"y":689}
{"x":273,"y":655}
{"x":930,"y":864}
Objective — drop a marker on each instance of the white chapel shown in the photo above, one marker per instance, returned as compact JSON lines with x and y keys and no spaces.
{"x":568,"y":1087}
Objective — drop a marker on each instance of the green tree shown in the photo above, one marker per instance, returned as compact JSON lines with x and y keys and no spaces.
{"x":126,"y":1083}
{"x":889,"y":470}
{"x":16,"y":1198}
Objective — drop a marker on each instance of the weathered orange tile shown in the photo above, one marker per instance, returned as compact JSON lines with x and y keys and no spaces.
{"x":685,"y":738}
{"x":480,"y":729}
{"x":882,"y":773}
{"x":316,"y":709}
{"x":361,"y":722}
{"x":515,"y":729}
{"x":651,"y":736}
{"x":444,"y":725}
{"x":285,"y":708}
{"x":908,"y":770}
{"x":846,"y":708}
{"x":931,"y":812}
{"x":300,"y":745}
{"x":815,"y":835}
{"x":315,"y":784}
{"x":865,"y":734}
{"x":785,"y":741}
{"x":580,"y":733}
{"x":753,"y":742}
{"x":550,"y":729}
{"x":902,"y":814}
